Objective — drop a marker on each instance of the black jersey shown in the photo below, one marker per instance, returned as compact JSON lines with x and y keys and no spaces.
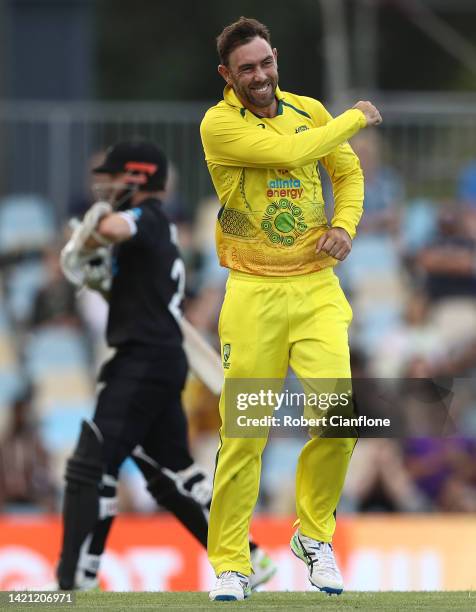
{"x":148,"y":281}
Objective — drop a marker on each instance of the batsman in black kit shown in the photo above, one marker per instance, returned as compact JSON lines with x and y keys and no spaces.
{"x":126,"y":248}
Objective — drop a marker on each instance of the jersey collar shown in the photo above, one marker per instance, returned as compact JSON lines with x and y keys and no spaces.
{"x":232,"y":99}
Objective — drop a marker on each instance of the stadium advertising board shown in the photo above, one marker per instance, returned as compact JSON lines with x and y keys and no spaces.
{"x":155,"y":553}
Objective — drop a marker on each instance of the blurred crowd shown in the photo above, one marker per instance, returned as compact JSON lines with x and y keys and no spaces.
{"x":411,"y":280}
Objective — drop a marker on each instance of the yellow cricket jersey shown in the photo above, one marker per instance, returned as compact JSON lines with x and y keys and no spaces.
{"x":266,"y":175}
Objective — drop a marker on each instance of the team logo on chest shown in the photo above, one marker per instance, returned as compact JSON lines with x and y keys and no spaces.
{"x":226,"y":355}
{"x":283,"y":222}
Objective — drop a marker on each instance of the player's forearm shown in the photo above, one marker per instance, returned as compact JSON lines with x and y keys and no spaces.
{"x":348,"y":202}
{"x":111,"y":229}
{"x":250,"y":147}
{"x":311,"y":145}
{"x":348,"y":218}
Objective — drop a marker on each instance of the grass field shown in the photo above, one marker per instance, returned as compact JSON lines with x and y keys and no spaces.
{"x":128,"y":602}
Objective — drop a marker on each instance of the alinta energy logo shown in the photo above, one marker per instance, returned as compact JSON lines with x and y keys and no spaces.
{"x":284,"y":188}
{"x":283,"y":222}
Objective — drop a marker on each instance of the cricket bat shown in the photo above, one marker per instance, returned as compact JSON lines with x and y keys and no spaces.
{"x":203,"y":359}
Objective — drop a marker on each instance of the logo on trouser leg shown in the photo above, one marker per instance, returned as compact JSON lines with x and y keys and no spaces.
{"x":226,"y":356}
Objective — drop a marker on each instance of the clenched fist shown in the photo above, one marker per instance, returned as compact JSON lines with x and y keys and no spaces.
{"x":336,"y":242}
{"x":371,"y":113}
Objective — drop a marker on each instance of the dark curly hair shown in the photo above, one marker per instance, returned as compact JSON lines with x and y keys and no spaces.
{"x":239,"y":33}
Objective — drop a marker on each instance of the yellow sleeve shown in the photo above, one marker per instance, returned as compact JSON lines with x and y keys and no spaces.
{"x":347,"y":179}
{"x":343,"y":167}
{"x":228,"y":140}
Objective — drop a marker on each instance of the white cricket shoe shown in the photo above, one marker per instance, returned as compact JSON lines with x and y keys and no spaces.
{"x":231,"y":586}
{"x":319,"y":558}
{"x":87,"y":584}
{"x":263,"y":566}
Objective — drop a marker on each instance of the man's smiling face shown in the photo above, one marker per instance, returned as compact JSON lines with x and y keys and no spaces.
{"x":252,"y":71}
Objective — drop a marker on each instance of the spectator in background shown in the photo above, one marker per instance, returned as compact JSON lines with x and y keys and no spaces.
{"x":448,"y":262}
{"x":443,"y":469}
{"x":415,"y":335}
{"x":378,"y":480}
{"x":447,"y":266}
{"x":25,"y":476}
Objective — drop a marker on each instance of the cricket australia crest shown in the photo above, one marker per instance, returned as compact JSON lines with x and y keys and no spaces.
{"x":226,"y":356}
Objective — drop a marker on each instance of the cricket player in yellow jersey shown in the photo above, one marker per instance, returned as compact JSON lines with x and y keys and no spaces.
{"x":283,"y":304}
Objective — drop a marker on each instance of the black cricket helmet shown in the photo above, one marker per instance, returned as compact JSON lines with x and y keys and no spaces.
{"x":144,"y":164}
